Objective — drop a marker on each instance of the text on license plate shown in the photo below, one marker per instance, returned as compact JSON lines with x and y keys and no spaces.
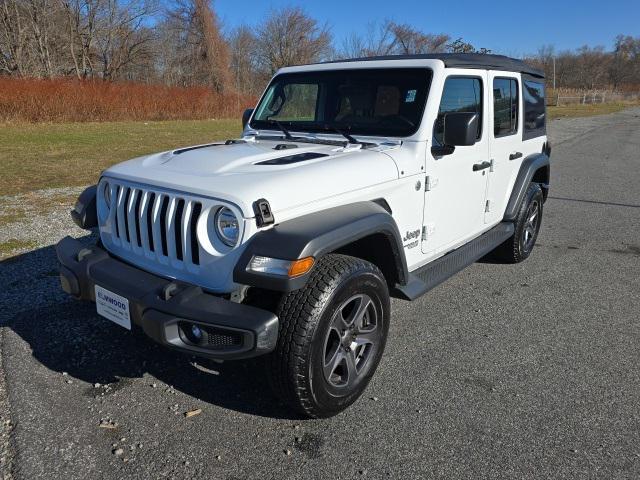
{"x":113,"y":306}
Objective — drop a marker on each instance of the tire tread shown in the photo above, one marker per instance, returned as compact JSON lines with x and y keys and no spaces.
{"x":299,"y":312}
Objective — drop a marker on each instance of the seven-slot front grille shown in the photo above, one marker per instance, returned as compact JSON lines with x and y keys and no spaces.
{"x":167,"y":232}
{"x":153,"y":223}
{"x":156,"y":222}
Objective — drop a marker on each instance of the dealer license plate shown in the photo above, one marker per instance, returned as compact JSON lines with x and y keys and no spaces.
{"x":113,"y":306}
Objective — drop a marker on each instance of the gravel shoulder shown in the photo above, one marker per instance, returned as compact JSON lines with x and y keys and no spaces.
{"x":504,"y":371}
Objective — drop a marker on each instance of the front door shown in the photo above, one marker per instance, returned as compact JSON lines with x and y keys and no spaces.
{"x":457,"y":182}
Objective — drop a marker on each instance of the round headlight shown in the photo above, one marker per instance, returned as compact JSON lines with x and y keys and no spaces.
{"x":227,"y":226}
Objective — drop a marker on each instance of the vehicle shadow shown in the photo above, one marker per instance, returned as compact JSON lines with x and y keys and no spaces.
{"x":66,"y":335}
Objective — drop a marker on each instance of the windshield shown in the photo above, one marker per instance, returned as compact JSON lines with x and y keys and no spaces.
{"x":381,"y":102}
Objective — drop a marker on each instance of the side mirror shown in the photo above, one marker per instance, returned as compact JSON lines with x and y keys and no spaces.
{"x":246,"y":116}
{"x":460,"y":130}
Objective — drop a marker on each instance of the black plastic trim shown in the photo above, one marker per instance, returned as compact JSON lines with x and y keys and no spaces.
{"x":262,"y":211}
{"x":157,"y":304}
{"x":196,"y":147}
{"x":434,"y":273}
{"x":285,"y":146}
{"x":530,"y":165}
{"x":315,"y":235}
{"x":295,"y":158}
{"x":84,"y":213}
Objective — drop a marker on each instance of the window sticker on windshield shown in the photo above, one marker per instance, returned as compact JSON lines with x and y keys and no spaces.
{"x":411,"y":96}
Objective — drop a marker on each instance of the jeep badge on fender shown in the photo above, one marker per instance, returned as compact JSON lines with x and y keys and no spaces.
{"x":286,"y":243}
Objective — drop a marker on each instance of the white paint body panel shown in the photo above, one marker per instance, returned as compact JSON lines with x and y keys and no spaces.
{"x":452,"y":212}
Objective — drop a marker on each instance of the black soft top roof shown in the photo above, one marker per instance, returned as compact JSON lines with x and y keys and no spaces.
{"x":462,"y":60}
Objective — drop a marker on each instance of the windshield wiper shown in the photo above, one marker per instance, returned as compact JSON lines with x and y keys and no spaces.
{"x":349,"y":138}
{"x":287,"y":135}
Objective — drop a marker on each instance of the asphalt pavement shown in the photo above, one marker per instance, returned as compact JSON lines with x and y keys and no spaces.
{"x":504,"y":371}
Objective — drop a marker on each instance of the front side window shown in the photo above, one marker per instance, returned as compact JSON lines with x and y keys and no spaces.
{"x":534,"y":109}
{"x":460,"y":94}
{"x":381,"y":102}
{"x":505,"y":106}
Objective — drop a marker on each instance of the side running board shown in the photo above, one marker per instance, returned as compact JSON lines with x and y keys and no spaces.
{"x":433,"y":274}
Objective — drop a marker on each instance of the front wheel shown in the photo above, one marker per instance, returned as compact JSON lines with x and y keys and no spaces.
{"x":332,"y":336}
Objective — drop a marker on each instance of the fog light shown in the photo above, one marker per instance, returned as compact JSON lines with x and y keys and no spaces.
{"x":196,"y":331}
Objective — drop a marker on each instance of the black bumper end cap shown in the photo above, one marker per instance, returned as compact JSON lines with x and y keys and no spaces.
{"x":69,"y":281}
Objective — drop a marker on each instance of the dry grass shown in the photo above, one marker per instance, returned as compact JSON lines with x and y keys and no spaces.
{"x":587,"y":110}
{"x":68,"y":100}
{"x":18,"y":208}
{"x":12,"y":246}
{"x":38,"y":156}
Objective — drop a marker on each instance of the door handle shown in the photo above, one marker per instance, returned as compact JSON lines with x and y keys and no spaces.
{"x":481,"y":166}
{"x":515,"y":155}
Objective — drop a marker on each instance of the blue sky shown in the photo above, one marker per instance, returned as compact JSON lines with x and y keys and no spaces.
{"x":509,"y":27}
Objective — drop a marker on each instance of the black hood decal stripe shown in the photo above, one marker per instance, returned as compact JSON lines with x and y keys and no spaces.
{"x":299,"y":157}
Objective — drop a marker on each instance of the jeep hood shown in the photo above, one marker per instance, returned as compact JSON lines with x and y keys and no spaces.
{"x":244,"y":172}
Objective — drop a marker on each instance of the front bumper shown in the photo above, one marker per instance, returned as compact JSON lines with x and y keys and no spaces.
{"x":165,"y":309}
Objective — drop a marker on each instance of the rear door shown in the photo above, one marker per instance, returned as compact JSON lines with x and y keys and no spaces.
{"x":505,"y":125}
{"x":454,"y":202}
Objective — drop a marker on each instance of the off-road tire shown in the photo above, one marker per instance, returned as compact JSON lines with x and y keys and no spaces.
{"x":307,"y":319}
{"x":519,"y":246}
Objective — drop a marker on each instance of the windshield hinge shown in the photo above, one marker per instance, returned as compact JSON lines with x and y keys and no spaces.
{"x":430,"y":182}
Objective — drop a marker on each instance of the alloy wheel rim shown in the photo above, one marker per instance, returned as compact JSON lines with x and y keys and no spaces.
{"x":351,"y":341}
{"x":531,"y":226}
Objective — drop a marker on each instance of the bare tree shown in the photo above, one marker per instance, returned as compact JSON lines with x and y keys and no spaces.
{"x":12,"y":38}
{"x":39,"y":18}
{"x":121,"y":36}
{"x":244,"y":63}
{"x":460,"y":46}
{"x":126,"y":39}
{"x":201,"y":55}
{"x":592,"y":66}
{"x":290,"y":37}
{"x":391,"y":38}
{"x":625,"y":62}
{"x":378,"y":41}
{"x":81,"y":27}
{"x":408,"y":40}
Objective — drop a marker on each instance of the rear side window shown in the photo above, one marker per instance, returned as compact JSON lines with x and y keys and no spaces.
{"x":460,"y":94}
{"x":534,"y":109}
{"x":505,"y":106}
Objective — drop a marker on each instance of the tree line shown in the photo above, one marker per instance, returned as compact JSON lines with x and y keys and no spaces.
{"x":184,"y":44}
{"x":593,"y":68}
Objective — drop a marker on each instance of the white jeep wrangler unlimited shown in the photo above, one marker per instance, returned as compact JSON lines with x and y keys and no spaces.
{"x":353,"y":182}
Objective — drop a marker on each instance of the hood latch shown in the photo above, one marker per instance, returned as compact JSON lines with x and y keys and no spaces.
{"x":262,"y":210}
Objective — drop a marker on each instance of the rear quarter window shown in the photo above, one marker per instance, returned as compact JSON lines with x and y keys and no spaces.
{"x":534,"y":109}
{"x":505,"y":107}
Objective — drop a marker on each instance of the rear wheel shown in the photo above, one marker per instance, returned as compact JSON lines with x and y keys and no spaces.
{"x":332,"y":336}
{"x":527,"y":226}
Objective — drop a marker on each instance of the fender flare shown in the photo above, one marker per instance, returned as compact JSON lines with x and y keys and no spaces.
{"x":528,"y":169}
{"x":315,"y":235}
{"x":84,"y":213}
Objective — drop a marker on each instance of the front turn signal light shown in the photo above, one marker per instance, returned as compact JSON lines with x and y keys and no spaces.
{"x":279,"y":267}
{"x":300,"y":267}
